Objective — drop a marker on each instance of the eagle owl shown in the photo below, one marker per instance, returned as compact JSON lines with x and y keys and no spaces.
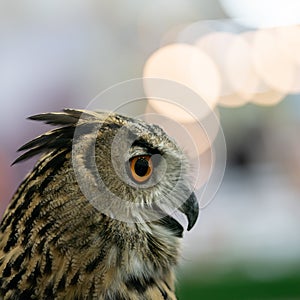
{"x":94,"y":218}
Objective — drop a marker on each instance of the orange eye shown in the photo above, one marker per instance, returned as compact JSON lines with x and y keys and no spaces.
{"x":141,"y":168}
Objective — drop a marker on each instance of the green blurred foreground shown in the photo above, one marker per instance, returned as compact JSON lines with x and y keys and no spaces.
{"x":237,"y":286}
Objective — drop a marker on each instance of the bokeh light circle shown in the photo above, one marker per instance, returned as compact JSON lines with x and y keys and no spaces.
{"x":217,"y":45}
{"x":271,"y":62}
{"x":189,"y":66}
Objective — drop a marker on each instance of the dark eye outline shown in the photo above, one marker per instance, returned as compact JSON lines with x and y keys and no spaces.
{"x":132,"y":168}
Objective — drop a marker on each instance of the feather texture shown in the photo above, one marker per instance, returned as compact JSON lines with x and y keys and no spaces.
{"x":55,"y":244}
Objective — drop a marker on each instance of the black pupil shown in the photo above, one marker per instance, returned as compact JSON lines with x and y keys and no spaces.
{"x":141,"y":167}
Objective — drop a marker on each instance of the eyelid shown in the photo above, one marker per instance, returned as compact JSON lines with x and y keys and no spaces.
{"x":134,"y":152}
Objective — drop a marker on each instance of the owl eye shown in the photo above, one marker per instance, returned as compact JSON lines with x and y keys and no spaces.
{"x":141,"y":168}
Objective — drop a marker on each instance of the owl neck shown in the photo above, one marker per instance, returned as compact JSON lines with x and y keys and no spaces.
{"x":150,"y":247}
{"x":133,"y":258}
{"x":143,"y":256}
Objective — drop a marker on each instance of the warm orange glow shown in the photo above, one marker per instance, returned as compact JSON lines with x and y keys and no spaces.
{"x":273,"y":64}
{"x":189,"y":66}
{"x":258,"y":66}
{"x":247,"y":80}
{"x":218,"y":46}
{"x":244,"y":78}
{"x":290,"y":41}
{"x":232,"y":100}
{"x":268,"y":97}
{"x":171,"y":110}
{"x":239,"y":67}
{"x":289,"y":38}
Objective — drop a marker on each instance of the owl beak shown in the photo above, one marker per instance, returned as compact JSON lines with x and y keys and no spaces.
{"x":191,"y":209}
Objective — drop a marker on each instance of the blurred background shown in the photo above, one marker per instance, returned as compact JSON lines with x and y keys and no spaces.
{"x":242,"y":57}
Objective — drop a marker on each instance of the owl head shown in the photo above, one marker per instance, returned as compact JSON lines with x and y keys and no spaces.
{"x":126,"y":168}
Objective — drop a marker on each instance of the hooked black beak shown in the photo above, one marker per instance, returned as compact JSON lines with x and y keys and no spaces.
{"x":191,"y":209}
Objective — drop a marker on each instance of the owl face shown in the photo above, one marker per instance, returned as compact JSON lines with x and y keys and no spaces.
{"x":138,"y":172}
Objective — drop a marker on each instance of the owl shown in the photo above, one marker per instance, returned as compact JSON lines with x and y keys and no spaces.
{"x":94,"y":219}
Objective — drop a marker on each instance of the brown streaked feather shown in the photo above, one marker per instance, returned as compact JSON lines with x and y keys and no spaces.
{"x":55,"y":245}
